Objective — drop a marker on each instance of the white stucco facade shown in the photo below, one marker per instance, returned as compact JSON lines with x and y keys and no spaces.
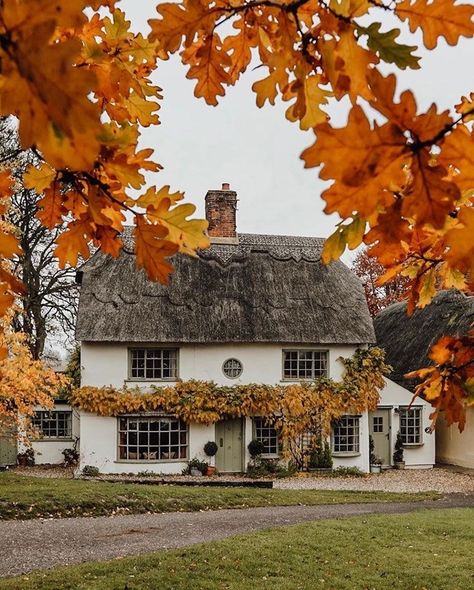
{"x":106,"y":364}
{"x":454,"y":447}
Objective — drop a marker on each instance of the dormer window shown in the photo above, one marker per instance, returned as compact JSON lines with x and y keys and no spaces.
{"x":153,"y":364}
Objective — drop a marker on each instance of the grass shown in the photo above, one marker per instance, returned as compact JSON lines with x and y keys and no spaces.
{"x":426,"y":550}
{"x":31,"y":497}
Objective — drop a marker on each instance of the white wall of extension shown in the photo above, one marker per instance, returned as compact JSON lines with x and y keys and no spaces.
{"x":107,"y":364}
{"x":49,"y":451}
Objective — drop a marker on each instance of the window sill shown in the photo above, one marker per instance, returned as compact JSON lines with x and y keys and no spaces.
{"x":41,"y":440}
{"x":171,"y":380}
{"x":270,"y":456}
{"x":342,"y":455}
{"x":412,"y":445}
{"x":151,"y":461}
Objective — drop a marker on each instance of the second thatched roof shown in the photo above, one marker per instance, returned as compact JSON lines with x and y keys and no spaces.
{"x":407,"y":340}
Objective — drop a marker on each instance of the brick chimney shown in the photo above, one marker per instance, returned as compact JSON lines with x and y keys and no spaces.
{"x":221,"y":209}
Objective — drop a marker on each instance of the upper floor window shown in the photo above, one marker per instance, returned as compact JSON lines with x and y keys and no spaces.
{"x":410,"y":425}
{"x":345,"y":435}
{"x":154,"y":363}
{"x":53,"y":424}
{"x":267,"y":435}
{"x":305,"y":364}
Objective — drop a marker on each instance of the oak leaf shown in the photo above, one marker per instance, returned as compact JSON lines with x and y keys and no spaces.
{"x":437,"y":18}
{"x":152,"y":249}
{"x":387,"y":48}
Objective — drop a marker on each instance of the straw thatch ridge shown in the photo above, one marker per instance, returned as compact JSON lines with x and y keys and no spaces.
{"x":407,"y":340}
{"x":263,"y":289}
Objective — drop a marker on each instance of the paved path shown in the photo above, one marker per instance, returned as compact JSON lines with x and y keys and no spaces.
{"x":26,"y":545}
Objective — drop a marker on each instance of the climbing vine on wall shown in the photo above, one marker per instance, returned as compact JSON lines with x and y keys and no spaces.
{"x":294,"y":408}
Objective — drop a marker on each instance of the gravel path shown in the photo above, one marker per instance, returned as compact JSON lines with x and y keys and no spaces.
{"x":39,"y":544}
{"x":406,"y":480}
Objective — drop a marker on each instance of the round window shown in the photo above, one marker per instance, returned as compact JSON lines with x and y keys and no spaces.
{"x":232,"y":368}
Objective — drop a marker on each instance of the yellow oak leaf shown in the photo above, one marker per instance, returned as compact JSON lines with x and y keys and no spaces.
{"x":188,"y":234}
{"x":152,"y":249}
{"x":9,"y":245}
{"x":39,"y":178}
{"x":437,"y":18}
{"x":51,"y":209}
{"x":466,"y":107}
{"x":309,"y":99}
{"x":267,"y":88}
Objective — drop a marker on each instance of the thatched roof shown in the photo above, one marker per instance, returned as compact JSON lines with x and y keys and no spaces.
{"x":263,"y":289}
{"x":407,"y":340}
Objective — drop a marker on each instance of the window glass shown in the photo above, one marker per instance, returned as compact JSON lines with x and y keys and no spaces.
{"x":153,"y":363}
{"x":232,"y":368}
{"x":267,"y":435}
{"x":152,"y":439}
{"x":53,"y":424}
{"x":304,"y":364}
{"x":346,"y":435}
{"x":410,"y":425}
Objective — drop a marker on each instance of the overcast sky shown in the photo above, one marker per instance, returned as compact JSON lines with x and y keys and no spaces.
{"x":257,"y":150}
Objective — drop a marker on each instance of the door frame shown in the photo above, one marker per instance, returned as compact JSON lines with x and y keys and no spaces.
{"x":389,"y":410}
{"x":242,"y":442}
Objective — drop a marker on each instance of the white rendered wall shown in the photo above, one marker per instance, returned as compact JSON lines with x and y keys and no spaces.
{"x":107,"y":364}
{"x":49,"y":451}
{"x":393,"y":396}
{"x":454,"y":447}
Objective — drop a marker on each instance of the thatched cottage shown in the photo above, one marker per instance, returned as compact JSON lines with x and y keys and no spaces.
{"x":250,"y":309}
{"x":407,"y":342}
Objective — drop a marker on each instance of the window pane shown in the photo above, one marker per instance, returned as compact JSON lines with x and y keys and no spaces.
{"x":267,"y":435}
{"x":152,"y":439}
{"x":346,"y":435}
{"x":304,"y":364}
{"x":410,"y":425}
{"x":153,"y":363}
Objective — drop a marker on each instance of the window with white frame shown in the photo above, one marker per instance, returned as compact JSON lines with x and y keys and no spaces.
{"x":305,"y":364}
{"x":410,"y":425}
{"x":345,"y":435}
{"x":152,"y":438}
{"x":153,"y":363}
{"x":54,"y":424}
{"x":265,"y":432}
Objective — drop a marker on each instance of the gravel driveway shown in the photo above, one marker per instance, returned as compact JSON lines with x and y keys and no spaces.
{"x":392,"y":480}
{"x":39,"y":544}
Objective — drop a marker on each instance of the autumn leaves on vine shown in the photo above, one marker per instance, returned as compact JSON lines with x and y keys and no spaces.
{"x":79,"y":81}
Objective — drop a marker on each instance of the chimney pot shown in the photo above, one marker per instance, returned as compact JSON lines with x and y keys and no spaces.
{"x":225,"y":186}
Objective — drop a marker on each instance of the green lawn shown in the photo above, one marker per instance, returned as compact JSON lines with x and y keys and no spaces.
{"x":426,"y":550}
{"x":30,"y":497}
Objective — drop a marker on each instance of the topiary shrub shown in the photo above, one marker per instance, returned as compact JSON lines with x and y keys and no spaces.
{"x":211,"y":448}
{"x":255,"y":448}
{"x":398,"y":453}
{"x":321,"y":457}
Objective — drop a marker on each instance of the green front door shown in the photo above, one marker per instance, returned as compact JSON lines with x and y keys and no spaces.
{"x":229,"y":438}
{"x":380,"y":431}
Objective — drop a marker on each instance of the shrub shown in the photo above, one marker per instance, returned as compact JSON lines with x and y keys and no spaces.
{"x":260,"y":467}
{"x":321,"y":457}
{"x":398,"y":453}
{"x":71,"y":456}
{"x":348,"y":472}
{"x":90,"y":471}
{"x":27,"y":457}
{"x":255,"y":448}
{"x":211,"y":448}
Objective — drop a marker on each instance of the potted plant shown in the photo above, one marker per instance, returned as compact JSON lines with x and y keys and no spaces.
{"x":375,"y":462}
{"x":211,"y":448}
{"x":26,"y":458}
{"x":196,"y":467}
{"x":398,"y":461}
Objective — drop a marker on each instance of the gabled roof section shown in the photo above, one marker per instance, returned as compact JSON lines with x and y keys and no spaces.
{"x":262,"y":289}
{"x":407,"y":340}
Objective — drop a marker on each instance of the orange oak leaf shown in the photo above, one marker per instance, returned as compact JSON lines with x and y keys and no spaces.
{"x":438,"y":18}
{"x":152,"y":249}
{"x":74,"y":242}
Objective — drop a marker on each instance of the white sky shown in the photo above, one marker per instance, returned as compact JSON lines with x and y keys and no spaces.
{"x":257,"y":150}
